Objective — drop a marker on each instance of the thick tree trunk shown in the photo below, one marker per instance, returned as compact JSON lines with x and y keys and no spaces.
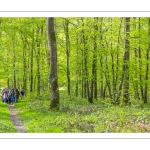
{"x":53,"y":64}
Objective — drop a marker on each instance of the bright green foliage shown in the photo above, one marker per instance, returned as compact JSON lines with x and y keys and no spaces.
{"x":24,"y":55}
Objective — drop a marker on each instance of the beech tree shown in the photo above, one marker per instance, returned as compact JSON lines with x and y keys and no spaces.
{"x":126,"y":62}
{"x":53,"y":64}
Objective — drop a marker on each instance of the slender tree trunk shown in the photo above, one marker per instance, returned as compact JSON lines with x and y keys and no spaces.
{"x":14,"y":62}
{"x":85,"y":54}
{"x":77,"y":68}
{"x":126,"y":61}
{"x":140,"y":64}
{"x":102,"y":95}
{"x":107,"y":74}
{"x":94,"y":64}
{"x":31,"y":62}
{"x":117,"y":99}
{"x":107,"y":77}
{"x":24,"y":55}
{"x":67,"y":54}
{"x":7,"y":70}
{"x":112,"y":66}
{"x":24,"y":70}
{"x":8,"y":84}
{"x":147,"y":66}
{"x":39,"y":32}
{"x":53,"y":64}
{"x":136,"y":87}
{"x":83,"y":90}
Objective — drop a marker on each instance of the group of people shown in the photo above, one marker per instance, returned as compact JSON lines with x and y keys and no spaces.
{"x":11,"y":96}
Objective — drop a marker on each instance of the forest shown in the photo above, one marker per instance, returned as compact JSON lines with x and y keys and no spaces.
{"x":80,"y":74}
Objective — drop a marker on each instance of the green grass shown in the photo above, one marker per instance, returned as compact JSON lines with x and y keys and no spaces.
{"x":78,"y":116}
{"x":6,"y":125}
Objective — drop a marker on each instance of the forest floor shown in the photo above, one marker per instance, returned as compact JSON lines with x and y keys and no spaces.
{"x":76,"y":115}
{"x":15,"y":119}
{"x":32,"y":115}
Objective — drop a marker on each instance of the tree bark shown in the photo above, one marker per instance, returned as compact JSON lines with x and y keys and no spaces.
{"x":38,"y":44}
{"x":94,"y":64}
{"x":136,"y":87}
{"x":14,"y":61}
{"x":85,"y":60}
{"x":126,"y":61}
{"x":31,"y":62}
{"x":53,"y":64}
{"x":147,"y":66}
{"x":66,"y":24}
{"x":140,"y":63}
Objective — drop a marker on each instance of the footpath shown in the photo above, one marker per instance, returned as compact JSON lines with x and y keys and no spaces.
{"x":15,"y":119}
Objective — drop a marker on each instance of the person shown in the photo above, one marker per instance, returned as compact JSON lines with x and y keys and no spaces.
{"x":22,"y":92}
{"x":12,"y":96}
{"x":16,"y":94}
{"x":9,"y":96}
{"x":7,"y":91}
{"x":5,"y":95}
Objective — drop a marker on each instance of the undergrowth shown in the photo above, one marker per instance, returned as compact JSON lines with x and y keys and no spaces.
{"x":76,"y":115}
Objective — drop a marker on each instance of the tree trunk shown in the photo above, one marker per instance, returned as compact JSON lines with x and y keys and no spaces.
{"x":118,"y":93}
{"x":94,"y":64}
{"x":53,"y":64}
{"x":39,"y":32}
{"x":112,"y":64}
{"x":31,"y":62}
{"x":147,"y":66}
{"x":66,"y":24}
{"x":102,"y":95}
{"x":126,"y":61}
{"x":136,"y":87}
{"x":24,"y":55}
{"x":140,"y":64}
{"x":77,"y":68}
{"x":14,"y":62}
{"x":85,"y":60}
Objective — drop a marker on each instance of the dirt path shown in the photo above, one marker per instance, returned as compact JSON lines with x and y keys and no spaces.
{"x":15,"y":119}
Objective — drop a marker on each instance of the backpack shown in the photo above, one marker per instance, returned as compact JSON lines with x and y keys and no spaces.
{"x":12,"y":92}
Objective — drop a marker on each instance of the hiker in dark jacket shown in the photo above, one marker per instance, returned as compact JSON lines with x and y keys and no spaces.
{"x":12,"y":96}
{"x":22,"y":92}
{"x":16,"y":93}
{"x":9,"y":96}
